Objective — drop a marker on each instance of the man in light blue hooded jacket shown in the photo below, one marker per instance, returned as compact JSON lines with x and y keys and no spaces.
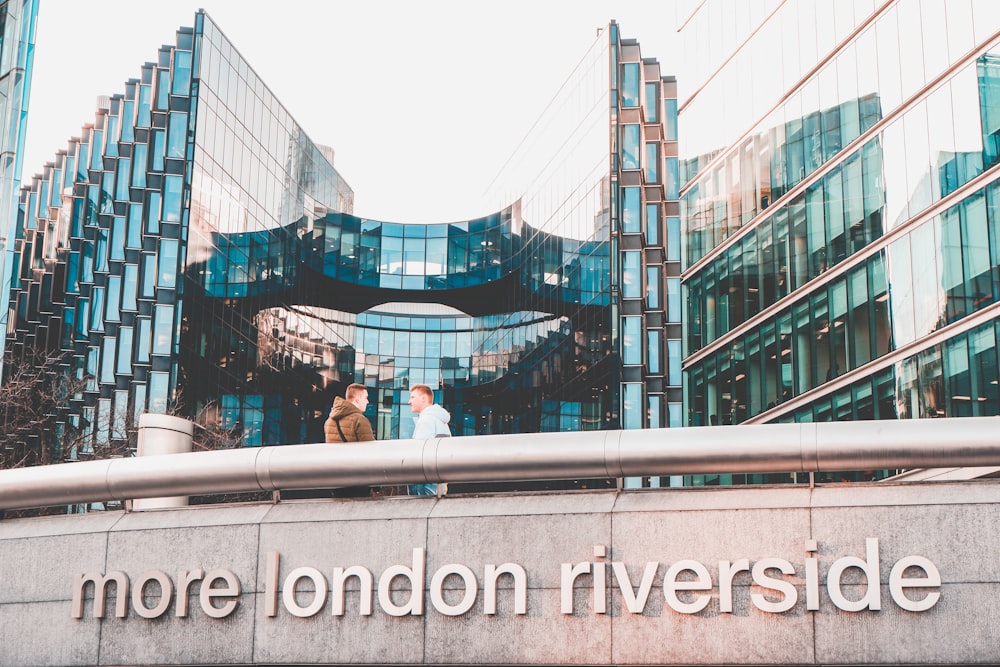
{"x":432,"y":422}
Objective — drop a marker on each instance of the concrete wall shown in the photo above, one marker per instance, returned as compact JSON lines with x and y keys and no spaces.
{"x":951,"y":524}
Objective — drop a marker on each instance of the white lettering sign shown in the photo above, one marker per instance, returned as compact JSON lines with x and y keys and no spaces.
{"x":687,"y":586}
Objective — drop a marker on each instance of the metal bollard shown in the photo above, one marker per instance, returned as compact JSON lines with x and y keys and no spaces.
{"x":163,"y":434}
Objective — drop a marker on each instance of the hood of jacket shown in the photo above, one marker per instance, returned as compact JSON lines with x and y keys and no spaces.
{"x":435,"y":412}
{"x":342,"y":408}
{"x":431,"y":422}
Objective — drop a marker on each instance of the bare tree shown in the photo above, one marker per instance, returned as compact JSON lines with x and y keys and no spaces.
{"x":34,"y":398}
{"x":37,"y":397}
{"x":209,"y":432}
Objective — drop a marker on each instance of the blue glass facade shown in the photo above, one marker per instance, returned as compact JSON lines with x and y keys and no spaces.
{"x":195,"y":252}
{"x":17,"y":42}
{"x":841,"y":258}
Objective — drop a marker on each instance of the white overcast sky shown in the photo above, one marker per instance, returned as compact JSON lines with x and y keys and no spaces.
{"x":422,"y":101}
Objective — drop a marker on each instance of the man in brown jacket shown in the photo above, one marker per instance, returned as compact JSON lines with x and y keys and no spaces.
{"x":347,"y":421}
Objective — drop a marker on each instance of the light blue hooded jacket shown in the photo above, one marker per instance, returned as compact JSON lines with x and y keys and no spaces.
{"x":432,"y":422}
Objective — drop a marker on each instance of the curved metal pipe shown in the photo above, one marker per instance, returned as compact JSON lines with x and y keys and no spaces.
{"x":770,"y":448}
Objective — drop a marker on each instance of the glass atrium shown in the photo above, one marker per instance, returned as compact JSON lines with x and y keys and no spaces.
{"x":194,"y":252}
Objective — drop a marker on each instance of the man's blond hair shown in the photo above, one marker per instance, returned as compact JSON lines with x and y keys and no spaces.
{"x":423,"y":389}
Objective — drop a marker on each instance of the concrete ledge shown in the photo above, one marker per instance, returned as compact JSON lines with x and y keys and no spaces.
{"x":639,"y":543}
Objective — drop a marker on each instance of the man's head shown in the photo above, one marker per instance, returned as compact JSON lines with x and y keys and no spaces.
{"x":421,"y":397}
{"x":357,"y":394}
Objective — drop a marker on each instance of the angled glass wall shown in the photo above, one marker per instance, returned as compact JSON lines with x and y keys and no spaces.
{"x":843,"y":239}
{"x":17,"y":43}
{"x":626,"y":199}
{"x":108,"y":232}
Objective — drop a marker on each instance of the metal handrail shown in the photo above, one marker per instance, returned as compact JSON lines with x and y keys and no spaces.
{"x":758,"y":448}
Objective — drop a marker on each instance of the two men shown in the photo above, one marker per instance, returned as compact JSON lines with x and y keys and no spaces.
{"x":347,"y":423}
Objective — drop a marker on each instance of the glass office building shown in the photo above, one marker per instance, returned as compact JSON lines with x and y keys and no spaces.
{"x":841,"y":210}
{"x":17,"y":43}
{"x":194,"y":252}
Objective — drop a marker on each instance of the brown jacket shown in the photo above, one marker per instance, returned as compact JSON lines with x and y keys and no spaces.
{"x":353,"y":423}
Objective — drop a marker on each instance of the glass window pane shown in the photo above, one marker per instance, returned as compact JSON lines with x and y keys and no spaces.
{"x":108,"y":360}
{"x":632,"y":341}
{"x":652,"y":224}
{"x":122,"y":176}
{"x":114,"y":298}
{"x":654,"y":411}
{"x":632,"y":405}
{"x":148,"y":275}
{"x":139,"y":165}
{"x":158,"y":392}
{"x":123,"y":365}
{"x":926,"y":291}
{"x":163,"y":329}
{"x":630,"y":146}
{"x":631,"y":278}
{"x":673,"y":239}
{"x":901,"y":286}
{"x":167,"y":263}
{"x":159,"y":144}
{"x":674,"y":363}
{"x":172,"y":186}
{"x":673,"y":178}
{"x":675,"y":415}
{"x":177,"y":135}
{"x":182,"y":72}
{"x":673,"y":299}
{"x":670,"y":119}
{"x":630,"y":85}
{"x":653,"y":285}
{"x":652,"y":162}
{"x":652,"y":102}
{"x":129,"y":286}
{"x":118,"y":238}
{"x":153,"y":213}
{"x":143,"y":340}
{"x":631,"y":210}
{"x":654,"y":347}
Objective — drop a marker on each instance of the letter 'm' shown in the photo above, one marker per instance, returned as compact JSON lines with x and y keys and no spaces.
{"x":100,"y":592}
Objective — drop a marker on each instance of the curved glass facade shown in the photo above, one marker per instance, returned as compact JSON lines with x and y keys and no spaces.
{"x":196,"y":253}
{"x":842,"y":258}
